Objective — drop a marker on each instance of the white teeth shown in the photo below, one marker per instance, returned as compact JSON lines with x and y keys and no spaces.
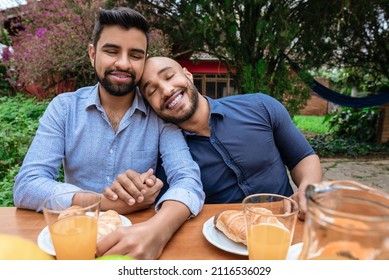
{"x":175,"y":101}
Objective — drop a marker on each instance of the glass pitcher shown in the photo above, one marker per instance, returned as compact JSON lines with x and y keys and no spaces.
{"x":346,"y":221}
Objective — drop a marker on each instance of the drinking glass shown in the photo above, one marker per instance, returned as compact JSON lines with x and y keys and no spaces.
{"x":270,"y":224}
{"x":346,"y":220}
{"x":73,"y":230}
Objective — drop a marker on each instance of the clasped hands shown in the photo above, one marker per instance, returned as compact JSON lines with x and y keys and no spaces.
{"x":132,"y":187}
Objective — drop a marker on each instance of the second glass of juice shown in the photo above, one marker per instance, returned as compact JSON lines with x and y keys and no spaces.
{"x":270,"y":224}
{"x":73,"y":228}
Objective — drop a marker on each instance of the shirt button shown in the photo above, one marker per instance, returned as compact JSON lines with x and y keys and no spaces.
{"x":212,"y":140}
{"x":229,"y":162}
{"x":108,"y":178}
{"x":110,"y":151}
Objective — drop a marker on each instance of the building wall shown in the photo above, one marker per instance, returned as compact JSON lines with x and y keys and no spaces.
{"x":317,"y":106}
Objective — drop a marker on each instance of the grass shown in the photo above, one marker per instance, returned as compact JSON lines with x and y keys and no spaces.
{"x":311,"y":124}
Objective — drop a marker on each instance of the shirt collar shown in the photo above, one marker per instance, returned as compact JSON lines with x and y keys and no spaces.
{"x":215,"y":107}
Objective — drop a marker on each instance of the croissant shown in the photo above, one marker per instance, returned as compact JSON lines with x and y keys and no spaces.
{"x":108,"y":222}
{"x":232,"y":222}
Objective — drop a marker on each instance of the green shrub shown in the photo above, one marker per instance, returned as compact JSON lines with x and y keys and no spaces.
{"x":360,"y":124}
{"x":6,"y":187}
{"x":328,"y":145}
{"x":18,"y":122}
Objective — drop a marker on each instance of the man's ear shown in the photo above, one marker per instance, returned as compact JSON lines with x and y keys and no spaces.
{"x":92,"y":54}
{"x":188,"y":74}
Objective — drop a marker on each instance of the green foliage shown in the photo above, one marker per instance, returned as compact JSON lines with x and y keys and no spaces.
{"x":360,"y":124}
{"x":328,"y":145}
{"x":320,"y":134}
{"x":248,"y":37}
{"x":6,"y":187}
{"x":5,"y":87}
{"x":18,"y":122}
{"x":51,"y":51}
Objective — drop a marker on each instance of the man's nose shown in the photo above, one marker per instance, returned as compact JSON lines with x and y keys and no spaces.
{"x":166,"y":89}
{"x":123,"y":62}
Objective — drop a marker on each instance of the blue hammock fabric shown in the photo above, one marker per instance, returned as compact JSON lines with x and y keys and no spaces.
{"x":338,"y":98}
{"x":348,"y":101}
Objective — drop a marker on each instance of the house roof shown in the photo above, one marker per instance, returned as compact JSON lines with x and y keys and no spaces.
{"x":8,"y":4}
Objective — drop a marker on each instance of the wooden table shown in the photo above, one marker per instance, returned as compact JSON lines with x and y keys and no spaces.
{"x":188,"y":243}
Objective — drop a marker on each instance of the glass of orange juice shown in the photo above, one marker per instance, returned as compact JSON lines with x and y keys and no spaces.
{"x":270,"y":224}
{"x":72,"y":221}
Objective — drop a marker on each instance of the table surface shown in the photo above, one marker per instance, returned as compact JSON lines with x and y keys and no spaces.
{"x":188,"y":243}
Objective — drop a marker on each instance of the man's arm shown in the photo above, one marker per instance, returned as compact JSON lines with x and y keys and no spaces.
{"x":146,"y":240}
{"x":307,"y":171}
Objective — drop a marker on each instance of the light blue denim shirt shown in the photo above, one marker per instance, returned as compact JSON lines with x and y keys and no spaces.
{"x":75,"y":131}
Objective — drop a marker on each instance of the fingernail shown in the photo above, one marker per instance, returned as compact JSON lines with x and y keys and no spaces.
{"x":131,"y":201}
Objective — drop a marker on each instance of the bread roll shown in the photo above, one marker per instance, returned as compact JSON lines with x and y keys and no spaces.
{"x":108,"y":222}
{"x":232,"y":222}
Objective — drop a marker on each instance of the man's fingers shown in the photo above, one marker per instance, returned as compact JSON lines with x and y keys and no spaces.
{"x":109,"y":194}
{"x":126,"y":190}
{"x":148,"y":177}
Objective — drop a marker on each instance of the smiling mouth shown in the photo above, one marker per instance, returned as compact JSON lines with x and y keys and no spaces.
{"x":121,"y":75}
{"x":174,"y":100}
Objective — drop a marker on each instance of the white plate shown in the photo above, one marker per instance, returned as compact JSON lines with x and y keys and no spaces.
{"x":218,"y":239}
{"x":45,"y":243}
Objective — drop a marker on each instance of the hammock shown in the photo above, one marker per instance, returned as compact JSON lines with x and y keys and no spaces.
{"x":348,"y":101}
{"x":338,"y":98}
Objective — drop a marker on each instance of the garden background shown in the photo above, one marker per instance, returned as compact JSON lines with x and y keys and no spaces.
{"x":44,"y":53}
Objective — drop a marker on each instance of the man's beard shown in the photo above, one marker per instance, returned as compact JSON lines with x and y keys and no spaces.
{"x":116,"y":90}
{"x":193,"y":95}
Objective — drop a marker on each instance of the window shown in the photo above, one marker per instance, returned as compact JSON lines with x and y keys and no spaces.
{"x":214,"y":86}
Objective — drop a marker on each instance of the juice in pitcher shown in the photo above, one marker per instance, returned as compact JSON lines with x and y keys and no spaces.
{"x":74,"y":238}
{"x":268,"y":242}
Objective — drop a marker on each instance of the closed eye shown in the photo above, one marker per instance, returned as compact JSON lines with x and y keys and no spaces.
{"x":169,"y":77}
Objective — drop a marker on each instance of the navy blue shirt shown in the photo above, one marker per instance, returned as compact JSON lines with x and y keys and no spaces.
{"x":253,"y":140}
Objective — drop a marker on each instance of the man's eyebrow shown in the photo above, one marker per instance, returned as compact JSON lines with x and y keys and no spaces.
{"x":109,"y":45}
{"x":158,"y":73}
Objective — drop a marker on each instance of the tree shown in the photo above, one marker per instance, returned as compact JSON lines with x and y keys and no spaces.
{"x":351,"y":36}
{"x":51,"y":48}
{"x":252,"y":37}
{"x":248,"y":37}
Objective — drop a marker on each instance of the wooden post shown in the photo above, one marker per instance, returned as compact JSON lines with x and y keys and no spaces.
{"x":383,"y":124}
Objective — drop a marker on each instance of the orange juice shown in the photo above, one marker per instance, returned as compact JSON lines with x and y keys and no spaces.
{"x":74,"y":238}
{"x":268,"y":242}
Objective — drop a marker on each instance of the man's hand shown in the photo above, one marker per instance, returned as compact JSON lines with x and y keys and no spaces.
{"x":133,"y":187}
{"x":145,"y":240}
{"x":300,"y":198}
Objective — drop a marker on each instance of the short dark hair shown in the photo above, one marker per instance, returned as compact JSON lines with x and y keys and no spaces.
{"x":122,"y":16}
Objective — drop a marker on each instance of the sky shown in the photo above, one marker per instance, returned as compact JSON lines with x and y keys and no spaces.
{"x":6,"y":4}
